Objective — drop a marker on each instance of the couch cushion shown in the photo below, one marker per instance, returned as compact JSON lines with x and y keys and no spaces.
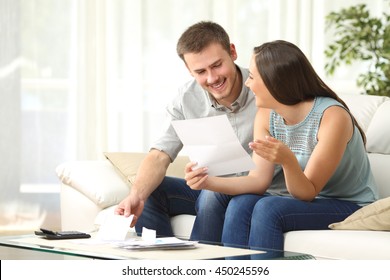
{"x":363,"y":107}
{"x":340,"y":244}
{"x":127,"y":164}
{"x":380,"y":168}
{"x":182,"y":225}
{"x":378,"y":132}
{"x":375,"y":216}
{"x":91,"y":178}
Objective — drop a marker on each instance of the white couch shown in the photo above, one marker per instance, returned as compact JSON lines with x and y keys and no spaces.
{"x":91,"y":189}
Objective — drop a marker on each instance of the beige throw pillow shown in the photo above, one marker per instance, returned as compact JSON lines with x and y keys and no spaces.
{"x":375,"y":216}
{"x":126,"y":164}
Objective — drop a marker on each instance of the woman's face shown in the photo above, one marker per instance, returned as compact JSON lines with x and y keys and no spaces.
{"x":256,"y":85}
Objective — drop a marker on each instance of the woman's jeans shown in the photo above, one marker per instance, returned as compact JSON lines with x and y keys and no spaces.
{"x":174,"y":197}
{"x":260,"y":221}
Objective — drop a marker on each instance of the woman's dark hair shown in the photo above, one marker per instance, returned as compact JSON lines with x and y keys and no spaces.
{"x":290,"y":77}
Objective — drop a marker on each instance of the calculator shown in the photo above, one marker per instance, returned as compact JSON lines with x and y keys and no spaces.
{"x":55,"y":235}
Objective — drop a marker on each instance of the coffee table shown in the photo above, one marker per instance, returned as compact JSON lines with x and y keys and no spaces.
{"x":94,"y":249}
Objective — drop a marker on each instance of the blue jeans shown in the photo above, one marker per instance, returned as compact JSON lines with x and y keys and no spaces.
{"x":210,"y":216}
{"x":174,"y":197}
{"x":260,"y":221}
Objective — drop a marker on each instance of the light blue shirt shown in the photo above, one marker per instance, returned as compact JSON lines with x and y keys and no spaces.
{"x":352,"y":180}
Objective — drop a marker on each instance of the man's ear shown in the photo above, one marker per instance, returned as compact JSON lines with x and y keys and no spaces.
{"x":233,"y":52}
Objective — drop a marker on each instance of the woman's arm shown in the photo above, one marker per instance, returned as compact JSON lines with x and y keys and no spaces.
{"x":335,"y":131}
{"x":257,"y":181}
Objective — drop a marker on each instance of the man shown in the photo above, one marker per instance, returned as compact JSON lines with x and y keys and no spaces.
{"x":217,"y":89}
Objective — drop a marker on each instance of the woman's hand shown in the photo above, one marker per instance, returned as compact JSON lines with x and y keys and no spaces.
{"x":272,"y":150}
{"x":196,"y":178}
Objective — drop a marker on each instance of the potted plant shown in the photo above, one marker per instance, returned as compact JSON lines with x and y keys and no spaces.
{"x":358,"y":36}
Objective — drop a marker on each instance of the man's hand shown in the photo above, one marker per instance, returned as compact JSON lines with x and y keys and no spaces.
{"x":132,"y":204}
{"x":150,"y":174}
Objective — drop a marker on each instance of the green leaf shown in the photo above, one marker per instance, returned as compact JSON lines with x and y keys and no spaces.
{"x":360,"y":37}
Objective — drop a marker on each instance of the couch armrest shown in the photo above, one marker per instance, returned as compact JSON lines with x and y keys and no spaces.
{"x":97,"y":180}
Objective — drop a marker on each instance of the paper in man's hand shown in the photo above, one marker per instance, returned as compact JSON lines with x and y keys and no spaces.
{"x":114,"y":227}
{"x":212,"y":143}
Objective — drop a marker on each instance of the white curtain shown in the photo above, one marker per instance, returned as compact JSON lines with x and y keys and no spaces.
{"x":146,"y":71}
{"x":80,"y":77}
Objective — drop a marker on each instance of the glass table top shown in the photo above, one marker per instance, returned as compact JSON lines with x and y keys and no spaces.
{"x":93,"y":248}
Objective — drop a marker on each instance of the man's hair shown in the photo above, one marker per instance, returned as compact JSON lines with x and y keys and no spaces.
{"x":199,"y":36}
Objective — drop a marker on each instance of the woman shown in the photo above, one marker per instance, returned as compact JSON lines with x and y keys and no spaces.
{"x":311,"y":164}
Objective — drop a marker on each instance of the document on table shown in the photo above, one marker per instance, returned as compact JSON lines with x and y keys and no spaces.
{"x":114,"y":228}
{"x":212,"y":143}
{"x":158,"y":243}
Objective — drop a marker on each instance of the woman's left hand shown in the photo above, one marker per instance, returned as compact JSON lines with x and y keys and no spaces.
{"x":271,"y":149}
{"x":196,"y":178}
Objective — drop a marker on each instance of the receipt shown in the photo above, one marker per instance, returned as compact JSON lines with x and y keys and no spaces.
{"x":148,"y":235}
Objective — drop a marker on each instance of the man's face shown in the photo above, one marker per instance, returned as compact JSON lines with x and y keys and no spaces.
{"x":214,"y":69}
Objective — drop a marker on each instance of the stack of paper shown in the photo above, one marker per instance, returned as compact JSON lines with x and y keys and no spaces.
{"x":158,"y":243}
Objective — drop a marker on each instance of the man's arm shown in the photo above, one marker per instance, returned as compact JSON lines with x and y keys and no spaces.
{"x":149,"y":176}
